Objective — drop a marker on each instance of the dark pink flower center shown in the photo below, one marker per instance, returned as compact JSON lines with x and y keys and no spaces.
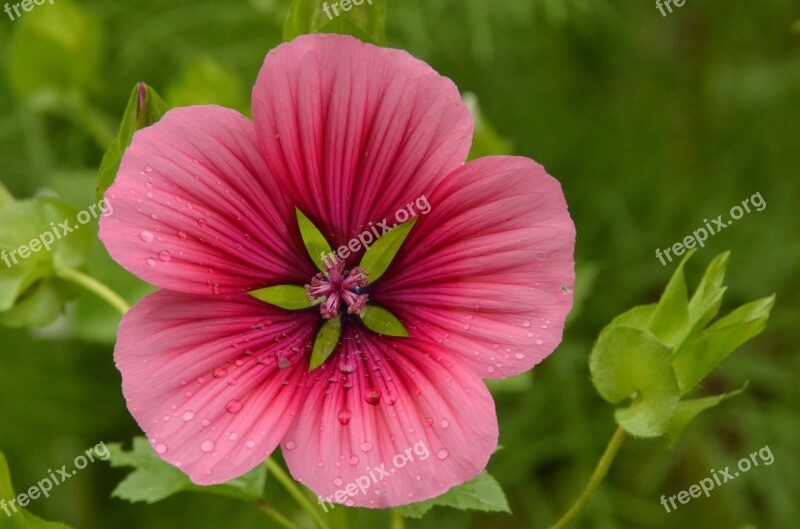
{"x":339,"y":285}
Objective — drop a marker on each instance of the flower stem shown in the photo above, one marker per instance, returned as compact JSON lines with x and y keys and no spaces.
{"x":94,"y":286}
{"x":397,"y":521}
{"x":597,"y":477}
{"x":275,"y":515}
{"x":295,"y":492}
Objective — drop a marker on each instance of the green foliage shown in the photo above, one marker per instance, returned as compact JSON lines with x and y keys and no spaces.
{"x":482,"y":493}
{"x":326,"y":341}
{"x":366,"y":22}
{"x":380,"y":255}
{"x":382,"y":321}
{"x":289,"y":297}
{"x":316,"y":244}
{"x":154,"y":480}
{"x":656,"y":354}
{"x":486,"y":141}
{"x":145,"y":107}
{"x":205,"y":82}
{"x":21,"y":519}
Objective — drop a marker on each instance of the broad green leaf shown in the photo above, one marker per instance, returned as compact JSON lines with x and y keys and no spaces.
{"x":54,"y":52}
{"x":381,"y":321}
{"x":485,"y":140}
{"x":482,"y":493}
{"x":144,"y":108}
{"x":671,"y":316}
{"x":632,"y":363}
{"x":636,"y":318}
{"x":326,"y":341}
{"x":687,"y":410}
{"x":205,"y":82}
{"x":21,"y":519}
{"x":701,"y":355}
{"x":154,"y":480}
{"x":38,"y":237}
{"x":289,"y":297}
{"x":363,"y":19}
{"x":316,"y":244}
{"x":380,"y":255}
{"x":6,"y":198}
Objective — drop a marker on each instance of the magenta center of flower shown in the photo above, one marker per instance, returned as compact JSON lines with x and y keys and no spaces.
{"x":340,"y":287}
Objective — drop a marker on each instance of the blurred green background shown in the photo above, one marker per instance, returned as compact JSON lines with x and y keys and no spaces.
{"x":651,"y":123}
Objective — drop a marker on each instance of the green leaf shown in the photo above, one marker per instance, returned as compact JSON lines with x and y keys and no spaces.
{"x":316,"y":244}
{"x":700,"y":356}
{"x":485,"y":141}
{"x":326,"y":341}
{"x":381,"y":321}
{"x":687,"y":410}
{"x":482,"y":493}
{"x":380,"y":255}
{"x":366,"y":21}
{"x":289,"y":297}
{"x":21,"y":519}
{"x":632,"y":363}
{"x":671,"y":316}
{"x":707,"y":299}
{"x":154,"y":479}
{"x":205,"y":82}
{"x":54,"y":52}
{"x":6,"y":198}
{"x":144,"y":108}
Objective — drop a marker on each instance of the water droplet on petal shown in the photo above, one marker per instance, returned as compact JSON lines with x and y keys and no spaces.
{"x":366,"y":446}
{"x":182,"y":235}
{"x":283,"y":363}
{"x":490,"y":369}
{"x":519,"y":355}
{"x":220,"y":372}
{"x":290,"y":445}
{"x":526,"y":323}
{"x":234,"y":406}
{"x":161,"y":448}
{"x":146,"y":236}
{"x":373,"y":397}
{"x":354,"y":460}
{"x":202,"y":223}
{"x":165,"y":256}
{"x":207,"y":446}
{"x":150,"y":262}
{"x":148,"y":169}
{"x":232,"y":381}
{"x":337,"y":481}
{"x":350,"y":502}
{"x":233,"y":436}
{"x":188,"y":415}
{"x":250,"y":444}
{"x":344,"y":417}
{"x":444,"y":423}
{"x":539,"y":342}
{"x":347,"y":368}
{"x":466,"y":326}
{"x":442,"y":454}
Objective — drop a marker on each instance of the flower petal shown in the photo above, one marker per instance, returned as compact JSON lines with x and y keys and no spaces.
{"x":213,"y":381}
{"x":196,"y":210}
{"x":354,"y":132}
{"x":489,"y":272}
{"x":414,"y":424}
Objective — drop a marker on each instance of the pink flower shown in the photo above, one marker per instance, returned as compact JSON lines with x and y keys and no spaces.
{"x":348,"y":133}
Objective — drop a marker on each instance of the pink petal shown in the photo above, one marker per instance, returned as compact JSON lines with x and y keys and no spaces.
{"x":354,"y":132}
{"x":214,"y":382}
{"x":195,"y":208}
{"x":489,"y":272}
{"x":408,"y":397}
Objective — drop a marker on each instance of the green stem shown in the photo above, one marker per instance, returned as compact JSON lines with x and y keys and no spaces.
{"x":289,"y":484}
{"x":397,"y":521}
{"x":93,"y":285}
{"x":275,"y":515}
{"x":597,"y":478}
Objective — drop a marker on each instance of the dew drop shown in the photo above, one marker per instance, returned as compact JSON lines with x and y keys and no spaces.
{"x":146,"y":236}
{"x":203,"y":223}
{"x":344,"y":417}
{"x":366,"y":446}
{"x":442,"y":454}
{"x":150,"y":262}
{"x":207,"y":446}
{"x":347,"y":368}
{"x":373,"y":397}
{"x":283,"y":363}
{"x":182,"y":235}
{"x":148,"y":169}
{"x":234,"y":406}
{"x":233,"y":436}
{"x":519,"y":355}
{"x":490,"y":369}
{"x":290,"y":445}
{"x":165,"y":256}
{"x":232,"y":381}
{"x":337,"y":481}
{"x":526,"y":323}
{"x":161,"y":448}
{"x":444,"y":423}
{"x":220,"y":372}
{"x":250,"y":444}
{"x":539,"y":342}
{"x":350,"y":502}
{"x":466,"y":326}
{"x":354,"y":460}
{"x":188,"y":415}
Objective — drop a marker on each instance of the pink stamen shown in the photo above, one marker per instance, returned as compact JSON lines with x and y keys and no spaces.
{"x":337,"y":286}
